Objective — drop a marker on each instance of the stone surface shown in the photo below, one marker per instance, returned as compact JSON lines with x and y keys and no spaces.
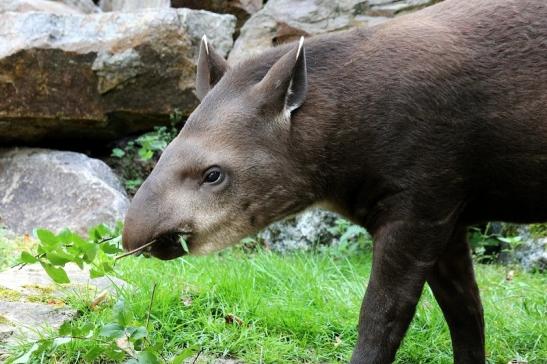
{"x":100,"y":76}
{"x":29,"y":300}
{"x":305,"y":231}
{"x":132,"y":5}
{"x":393,"y":7}
{"x":531,"y":253}
{"x":53,"y":189}
{"x":37,"y":5}
{"x":84,"y":6}
{"x":242,"y":9}
{"x":280,"y":21}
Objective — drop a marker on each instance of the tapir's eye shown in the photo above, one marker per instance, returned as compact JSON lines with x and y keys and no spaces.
{"x":213,"y":176}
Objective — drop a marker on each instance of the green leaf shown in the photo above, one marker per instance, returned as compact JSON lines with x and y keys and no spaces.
{"x":120,"y":313}
{"x":93,"y":353}
{"x":110,"y":248}
{"x":185,"y":354}
{"x":96,"y":273}
{"x":136,"y":333}
{"x":90,"y":252}
{"x":65,"y":236}
{"x":47,"y":237}
{"x":65,"y":329}
{"x":61,"y":341}
{"x":145,"y":154}
{"x":98,"y":232}
{"x":112,"y":330}
{"x":28,"y":258}
{"x":107,"y":267}
{"x":25,"y":358}
{"x":58,"y":257}
{"x":84,"y":331}
{"x":183,"y":243}
{"x":58,"y":274}
{"x":147,"y":357}
{"x":117,"y":152}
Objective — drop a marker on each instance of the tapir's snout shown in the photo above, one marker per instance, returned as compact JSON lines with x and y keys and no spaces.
{"x":143,"y":225}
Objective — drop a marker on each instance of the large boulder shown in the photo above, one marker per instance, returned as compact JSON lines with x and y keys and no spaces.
{"x":37,"y":5}
{"x":84,"y":6}
{"x":531,"y":250}
{"x":242,"y":9}
{"x":132,"y":5}
{"x":29,"y":299}
{"x":53,"y":189}
{"x":306,"y":231}
{"x":100,"y":76}
{"x":281,"y":21}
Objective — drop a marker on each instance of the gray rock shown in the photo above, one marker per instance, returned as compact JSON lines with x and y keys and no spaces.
{"x":393,"y":7}
{"x":132,"y":5}
{"x":32,"y":281}
{"x":84,"y":6}
{"x":30,"y":301}
{"x":242,"y":9}
{"x":303,"y":232}
{"x":25,"y":319}
{"x":54,"y":189}
{"x":46,"y":6}
{"x":285,"y":20}
{"x":531,"y":252}
{"x":100,"y":76}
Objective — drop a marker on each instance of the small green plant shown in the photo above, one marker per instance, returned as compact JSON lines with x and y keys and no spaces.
{"x":488,"y":243}
{"x":125,"y":335}
{"x":135,"y":159}
{"x":352,"y":237}
{"x":54,"y":251}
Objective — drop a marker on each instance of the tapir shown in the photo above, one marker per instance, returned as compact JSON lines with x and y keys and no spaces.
{"x":414,"y":129}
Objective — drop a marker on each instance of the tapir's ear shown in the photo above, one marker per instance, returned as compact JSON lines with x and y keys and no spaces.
{"x":211,"y":68}
{"x":284,"y":87}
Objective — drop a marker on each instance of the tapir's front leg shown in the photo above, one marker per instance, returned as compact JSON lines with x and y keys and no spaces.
{"x":404,"y":253}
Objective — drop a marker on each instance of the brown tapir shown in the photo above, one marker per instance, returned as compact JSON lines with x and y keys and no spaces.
{"x":414,"y":129}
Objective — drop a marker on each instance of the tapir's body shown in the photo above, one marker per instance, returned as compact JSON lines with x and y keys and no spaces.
{"x":414,"y":129}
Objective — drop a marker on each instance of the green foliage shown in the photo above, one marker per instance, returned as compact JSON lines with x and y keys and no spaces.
{"x":124,"y":334}
{"x":488,"y":243}
{"x":54,"y":251}
{"x":296,"y":308}
{"x":134,"y":160}
{"x":352,"y":238}
{"x":263,"y":307}
{"x":538,"y":230}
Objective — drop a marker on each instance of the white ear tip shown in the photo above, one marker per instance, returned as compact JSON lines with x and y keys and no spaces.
{"x":300,"y":45}
{"x":204,"y":40}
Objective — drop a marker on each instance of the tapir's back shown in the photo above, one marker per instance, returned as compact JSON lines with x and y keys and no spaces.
{"x":461,"y":85}
{"x":506,"y":98}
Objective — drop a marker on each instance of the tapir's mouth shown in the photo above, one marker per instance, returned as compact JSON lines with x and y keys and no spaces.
{"x":170,"y":245}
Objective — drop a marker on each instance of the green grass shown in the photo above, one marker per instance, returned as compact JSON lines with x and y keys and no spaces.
{"x":303,"y":308}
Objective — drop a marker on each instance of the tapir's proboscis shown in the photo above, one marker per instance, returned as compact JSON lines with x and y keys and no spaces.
{"x":414,"y":129}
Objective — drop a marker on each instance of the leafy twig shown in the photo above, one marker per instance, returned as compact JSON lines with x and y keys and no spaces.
{"x":135,"y":250}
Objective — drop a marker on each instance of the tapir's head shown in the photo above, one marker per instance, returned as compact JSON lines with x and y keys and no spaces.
{"x":230,"y":171}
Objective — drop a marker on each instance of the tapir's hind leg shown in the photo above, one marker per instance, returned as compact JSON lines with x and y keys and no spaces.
{"x":453,"y":283}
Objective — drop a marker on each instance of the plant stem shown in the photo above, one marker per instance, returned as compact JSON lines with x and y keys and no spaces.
{"x":135,"y":250}
{"x":150,"y":305}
